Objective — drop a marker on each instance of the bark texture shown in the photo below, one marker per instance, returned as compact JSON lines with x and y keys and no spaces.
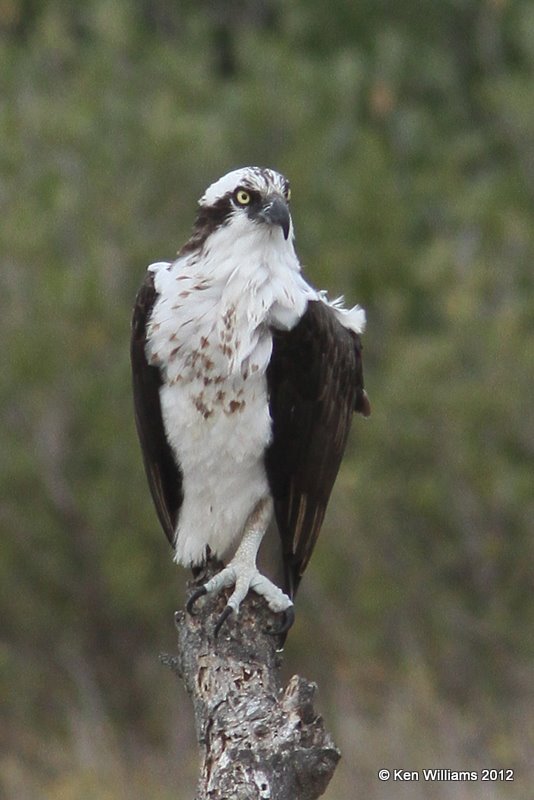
{"x":257,"y":740}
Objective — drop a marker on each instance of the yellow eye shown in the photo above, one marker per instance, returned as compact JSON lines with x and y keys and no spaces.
{"x":242,"y":197}
{"x":288,"y":194}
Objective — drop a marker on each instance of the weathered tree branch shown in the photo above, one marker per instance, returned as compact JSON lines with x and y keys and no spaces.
{"x":256,"y":739}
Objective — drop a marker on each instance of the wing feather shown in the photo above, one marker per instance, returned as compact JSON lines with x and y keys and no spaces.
{"x":315,"y":383}
{"x":163,"y":473}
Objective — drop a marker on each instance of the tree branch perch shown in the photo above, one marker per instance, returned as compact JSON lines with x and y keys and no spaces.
{"x":256,"y":739}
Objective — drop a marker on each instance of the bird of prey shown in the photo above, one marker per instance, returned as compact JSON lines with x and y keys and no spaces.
{"x":245,"y":380}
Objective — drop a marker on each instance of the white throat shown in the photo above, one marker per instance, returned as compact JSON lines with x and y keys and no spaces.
{"x":245,"y":279}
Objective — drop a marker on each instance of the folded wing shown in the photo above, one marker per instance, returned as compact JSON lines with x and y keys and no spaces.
{"x":315,"y":384}
{"x":163,"y":473}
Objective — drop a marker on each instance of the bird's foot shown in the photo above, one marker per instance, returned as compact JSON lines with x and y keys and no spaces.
{"x":245,"y":576}
{"x":242,"y":574}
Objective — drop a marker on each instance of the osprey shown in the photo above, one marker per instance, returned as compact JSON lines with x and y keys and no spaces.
{"x":245,"y":380}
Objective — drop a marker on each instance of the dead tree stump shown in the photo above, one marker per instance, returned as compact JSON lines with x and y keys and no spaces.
{"x":257,"y":740}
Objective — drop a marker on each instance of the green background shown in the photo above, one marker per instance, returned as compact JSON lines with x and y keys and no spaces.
{"x":407,"y":131}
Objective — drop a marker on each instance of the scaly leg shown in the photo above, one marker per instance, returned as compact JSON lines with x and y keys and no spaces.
{"x":242,"y":573}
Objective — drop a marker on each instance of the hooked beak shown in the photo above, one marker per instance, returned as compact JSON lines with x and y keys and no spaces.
{"x":275,"y":212}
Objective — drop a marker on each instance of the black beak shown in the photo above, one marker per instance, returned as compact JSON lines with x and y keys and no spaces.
{"x":275,"y":212}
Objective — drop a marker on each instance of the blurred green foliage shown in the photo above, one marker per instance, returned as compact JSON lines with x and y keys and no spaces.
{"x":407,"y":132}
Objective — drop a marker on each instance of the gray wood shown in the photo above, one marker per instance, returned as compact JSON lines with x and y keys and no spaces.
{"x":257,"y":739}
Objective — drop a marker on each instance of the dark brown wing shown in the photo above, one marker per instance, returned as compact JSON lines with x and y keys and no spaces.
{"x":315,"y":383}
{"x":163,"y":473}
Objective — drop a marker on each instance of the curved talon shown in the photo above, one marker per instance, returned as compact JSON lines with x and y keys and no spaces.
{"x":194,"y":597}
{"x":224,"y":616}
{"x":287,"y":622}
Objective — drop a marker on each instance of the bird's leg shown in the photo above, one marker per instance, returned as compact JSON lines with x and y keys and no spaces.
{"x":242,"y":573}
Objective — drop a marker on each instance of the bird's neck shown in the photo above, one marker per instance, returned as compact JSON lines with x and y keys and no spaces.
{"x":255,"y":272}
{"x":227,"y":296}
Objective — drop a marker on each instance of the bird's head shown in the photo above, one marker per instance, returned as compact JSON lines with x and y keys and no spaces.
{"x":250,"y":200}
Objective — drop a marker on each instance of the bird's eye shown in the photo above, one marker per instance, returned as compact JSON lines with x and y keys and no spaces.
{"x":242,"y":197}
{"x":287,"y":193}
